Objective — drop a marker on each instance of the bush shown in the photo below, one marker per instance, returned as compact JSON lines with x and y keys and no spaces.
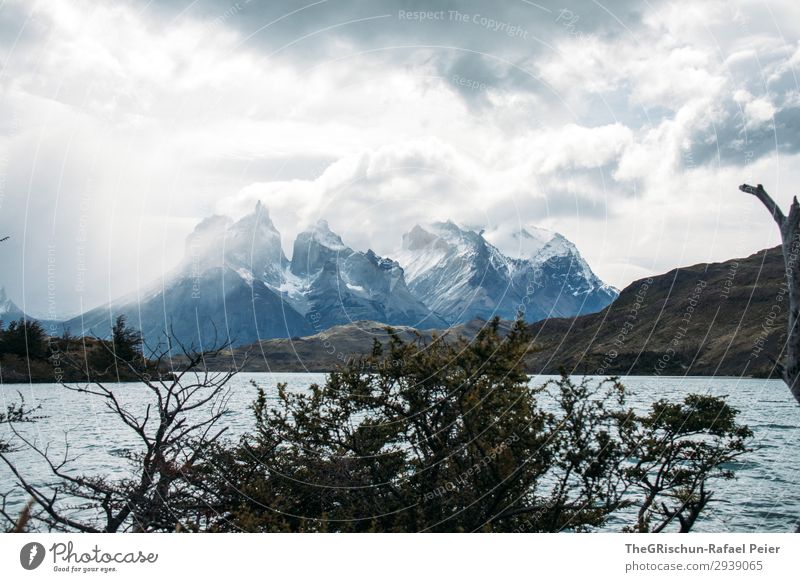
{"x":450,"y":437}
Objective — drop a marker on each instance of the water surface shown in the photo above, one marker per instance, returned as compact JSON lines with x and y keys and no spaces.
{"x":765,"y":496}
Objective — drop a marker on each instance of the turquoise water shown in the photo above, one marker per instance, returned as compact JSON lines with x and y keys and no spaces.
{"x":765,"y":496}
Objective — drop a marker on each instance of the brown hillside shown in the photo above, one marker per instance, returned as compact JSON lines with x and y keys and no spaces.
{"x":709,"y":319}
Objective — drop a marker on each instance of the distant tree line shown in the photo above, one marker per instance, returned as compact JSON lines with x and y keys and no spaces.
{"x":92,"y":358}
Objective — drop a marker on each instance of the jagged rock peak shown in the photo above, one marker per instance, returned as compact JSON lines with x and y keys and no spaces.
{"x":259,"y":218}
{"x":418,"y":238}
{"x":321,"y":233}
{"x":384,"y":263}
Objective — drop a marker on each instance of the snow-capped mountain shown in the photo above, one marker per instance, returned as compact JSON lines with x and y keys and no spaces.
{"x":8,"y":309}
{"x":225,"y":289}
{"x":460,"y":275}
{"x":251,"y":246}
{"x":332,"y":284}
{"x":236,"y":284}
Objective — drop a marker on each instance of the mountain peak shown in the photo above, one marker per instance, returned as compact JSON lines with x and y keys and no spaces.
{"x":250,"y":245}
{"x":215,"y":222}
{"x":461,"y":272}
{"x":316,"y":247}
{"x":535,"y":233}
{"x":8,"y":309}
{"x":448,"y":226}
{"x":322,"y":234}
{"x":418,"y":238}
{"x":259,"y":218}
{"x":207,"y":236}
{"x":456,"y":234}
{"x":261,"y":210}
{"x":559,"y":246}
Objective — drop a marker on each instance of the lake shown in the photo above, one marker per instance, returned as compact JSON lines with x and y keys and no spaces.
{"x":764,"y":497}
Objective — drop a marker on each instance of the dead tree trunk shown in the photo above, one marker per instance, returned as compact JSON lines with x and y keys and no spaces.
{"x":789,"y":226}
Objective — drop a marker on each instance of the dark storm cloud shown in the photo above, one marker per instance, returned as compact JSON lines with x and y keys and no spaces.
{"x":477,"y":46}
{"x":512,"y":28}
{"x":736,"y":140}
{"x":733,"y":143}
{"x":473,"y":76}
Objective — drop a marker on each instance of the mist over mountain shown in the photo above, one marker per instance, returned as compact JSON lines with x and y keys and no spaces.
{"x":227,"y":288}
{"x":235,"y":283}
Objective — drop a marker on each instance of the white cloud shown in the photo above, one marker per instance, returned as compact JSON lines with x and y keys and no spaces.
{"x":573,"y":146}
{"x":758,"y":111}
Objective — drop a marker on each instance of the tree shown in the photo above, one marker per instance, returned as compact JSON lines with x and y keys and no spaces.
{"x":177,"y":426}
{"x":450,"y":436}
{"x":789,"y":226}
{"x":678,"y":448}
{"x":441,"y":436}
{"x":114,"y":357}
{"x":24,"y":338}
{"x":126,"y":342}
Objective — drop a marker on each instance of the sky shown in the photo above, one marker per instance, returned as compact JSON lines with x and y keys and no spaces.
{"x":626,"y":126}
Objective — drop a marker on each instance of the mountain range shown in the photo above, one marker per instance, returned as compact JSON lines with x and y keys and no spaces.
{"x":461,"y":276}
{"x":235,"y":283}
{"x":725,"y":318}
{"x":709,"y":319}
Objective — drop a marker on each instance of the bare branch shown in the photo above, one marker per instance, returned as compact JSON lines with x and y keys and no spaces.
{"x":759,"y":192}
{"x":171,"y":443}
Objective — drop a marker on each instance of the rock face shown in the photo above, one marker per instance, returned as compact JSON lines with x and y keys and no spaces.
{"x":251,"y":246}
{"x":460,"y":275}
{"x":225,"y":289}
{"x":333,"y":284}
{"x":711,"y":319}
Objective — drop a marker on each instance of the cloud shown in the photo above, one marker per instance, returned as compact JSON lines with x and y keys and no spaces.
{"x":125,"y":124}
{"x":576,"y":147}
{"x":385,"y":191}
{"x":758,"y":111}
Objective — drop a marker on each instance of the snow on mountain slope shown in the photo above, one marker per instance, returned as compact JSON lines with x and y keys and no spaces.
{"x":339,"y":285}
{"x":518,"y":242}
{"x":456,"y":272}
{"x":460,"y":275}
